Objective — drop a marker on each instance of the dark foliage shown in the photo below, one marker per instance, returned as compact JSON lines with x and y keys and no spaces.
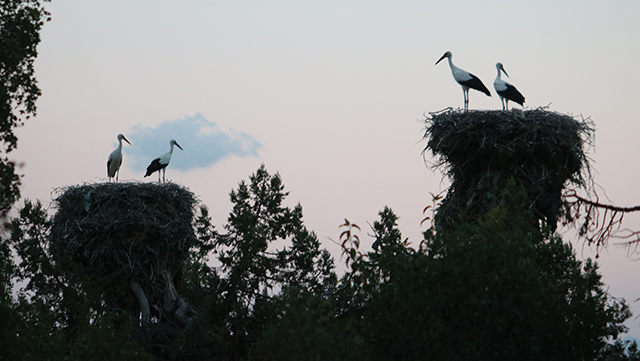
{"x":493,"y":290}
{"x":60,"y":313}
{"x":620,"y":351}
{"x":265,"y":257}
{"x":20,"y":24}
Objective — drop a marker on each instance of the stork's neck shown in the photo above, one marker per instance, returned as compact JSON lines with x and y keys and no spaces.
{"x":499,"y":75}
{"x":171,"y":150}
{"x":453,"y":67}
{"x":119,"y":144}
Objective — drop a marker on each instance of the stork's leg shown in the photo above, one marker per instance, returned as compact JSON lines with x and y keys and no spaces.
{"x":466,"y":104}
{"x":466,"y":98}
{"x":506,"y":101}
{"x":117,"y":173}
{"x":159,"y":176}
{"x":502,"y":101}
{"x":164,"y":175}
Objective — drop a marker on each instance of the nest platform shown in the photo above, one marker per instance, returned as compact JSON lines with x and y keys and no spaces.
{"x":128,"y":236}
{"x":481,"y":150}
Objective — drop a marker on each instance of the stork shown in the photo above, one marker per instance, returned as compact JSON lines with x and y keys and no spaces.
{"x":162,"y":162}
{"x":465,"y":79}
{"x":505,"y":90}
{"x":115,"y":159}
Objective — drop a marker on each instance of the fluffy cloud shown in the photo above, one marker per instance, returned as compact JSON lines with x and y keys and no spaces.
{"x":204,"y":143}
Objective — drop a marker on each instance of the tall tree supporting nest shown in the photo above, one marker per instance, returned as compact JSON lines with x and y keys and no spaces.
{"x":481,"y":150}
{"x":134,"y":239}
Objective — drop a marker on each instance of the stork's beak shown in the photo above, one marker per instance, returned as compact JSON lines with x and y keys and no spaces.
{"x":439,"y":60}
{"x":504,"y":71}
{"x":178,"y":145}
{"x":126,"y":140}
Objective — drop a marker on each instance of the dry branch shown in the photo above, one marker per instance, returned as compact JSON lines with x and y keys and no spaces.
{"x":597,"y":222}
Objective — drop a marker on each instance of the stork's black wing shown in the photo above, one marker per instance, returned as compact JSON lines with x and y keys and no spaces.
{"x":475,"y":83}
{"x":512,"y":94}
{"x":154,"y":166}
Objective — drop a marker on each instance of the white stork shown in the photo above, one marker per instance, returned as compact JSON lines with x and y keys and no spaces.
{"x":505,"y":90}
{"x":465,"y":79}
{"x":162,"y":162}
{"x":115,"y":159}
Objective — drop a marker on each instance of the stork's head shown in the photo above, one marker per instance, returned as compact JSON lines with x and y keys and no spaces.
{"x":173,"y":142}
{"x":121,"y":137}
{"x":446,"y":55}
{"x":500,"y":67}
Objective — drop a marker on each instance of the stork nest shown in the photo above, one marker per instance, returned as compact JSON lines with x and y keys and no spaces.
{"x":120,"y":231}
{"x":481,"y":150}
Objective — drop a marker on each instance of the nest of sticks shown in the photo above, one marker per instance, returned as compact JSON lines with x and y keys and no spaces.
{"x":481,"y":150}
{"x":126,"y":232}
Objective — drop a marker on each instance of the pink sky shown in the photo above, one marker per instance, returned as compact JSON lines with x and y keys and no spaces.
{"x":334,"y":92}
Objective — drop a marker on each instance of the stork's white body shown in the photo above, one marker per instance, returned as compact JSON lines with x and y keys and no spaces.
{"x":161,"y":163}
{"x":115,"y":159}
{"x":465,"y":79}
{"x":505,"y":90}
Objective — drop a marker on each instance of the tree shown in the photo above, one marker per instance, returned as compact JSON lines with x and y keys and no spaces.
{"x":265,"y":257}
{"x":20,"y":24}
{"x":496,"y":289}
{"x":59,"y":314}
{"x":620,"y":351}
{"x":7,"y":328}
{"x":499,"y":288}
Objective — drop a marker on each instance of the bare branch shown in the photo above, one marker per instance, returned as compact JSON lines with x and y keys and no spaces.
{"x":597,"y":222}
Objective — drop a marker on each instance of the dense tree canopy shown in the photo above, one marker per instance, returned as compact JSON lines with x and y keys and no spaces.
{"x":499,"y":289}
{"x":20,"y":24}
{"x":265,"y":289}
{"x":265,"y":252}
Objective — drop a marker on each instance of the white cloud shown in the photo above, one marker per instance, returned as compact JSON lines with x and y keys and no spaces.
{"x":203,"y":141}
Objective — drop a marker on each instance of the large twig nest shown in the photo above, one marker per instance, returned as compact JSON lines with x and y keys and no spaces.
{"x":124,"y":231}
{"x":481,"y":150}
